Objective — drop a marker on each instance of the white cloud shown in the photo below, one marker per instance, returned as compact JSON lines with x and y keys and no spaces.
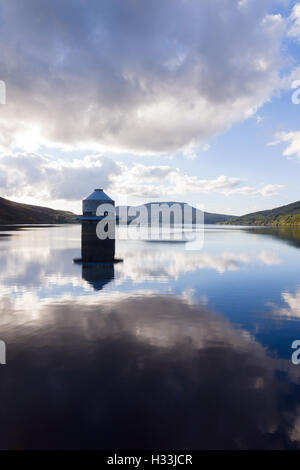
{"x":40,"y":177}
{"x":37,"y":176}
{"x":294,"y":20}
{"x":206,"y":147}
{"x":292,"y":139}
{"x":124,"y":77}
{"x":270,"y":189}
{"x":273,"y":143}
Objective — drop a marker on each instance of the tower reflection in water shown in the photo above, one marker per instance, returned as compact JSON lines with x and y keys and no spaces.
{"x":98,"y":239}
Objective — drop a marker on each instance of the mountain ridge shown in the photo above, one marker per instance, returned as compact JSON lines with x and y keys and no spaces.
{"x":287,"y":215}
{"x":209,"y":217}
{"x":18,"y":213}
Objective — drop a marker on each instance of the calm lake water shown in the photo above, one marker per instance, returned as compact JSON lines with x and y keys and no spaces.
{"x":176,"y":347}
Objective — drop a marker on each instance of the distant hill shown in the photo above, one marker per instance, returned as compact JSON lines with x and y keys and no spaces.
{"x":280,"y":216}
{"x":209,"y":218}
{"x":16,"y":213}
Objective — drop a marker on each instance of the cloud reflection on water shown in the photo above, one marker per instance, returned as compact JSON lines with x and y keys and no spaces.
{"x":139,"y":372}
{"x":43,"y":266}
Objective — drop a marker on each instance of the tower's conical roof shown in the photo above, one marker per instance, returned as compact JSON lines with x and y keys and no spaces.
{"x":98,"y":195}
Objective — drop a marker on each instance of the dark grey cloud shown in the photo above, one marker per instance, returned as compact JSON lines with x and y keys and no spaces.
{"x":134,"y":75}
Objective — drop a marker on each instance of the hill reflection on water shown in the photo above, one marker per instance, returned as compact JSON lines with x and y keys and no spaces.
{"x":288,"y":234}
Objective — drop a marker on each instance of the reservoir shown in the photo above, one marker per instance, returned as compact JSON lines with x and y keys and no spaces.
{"x":175,"y":347}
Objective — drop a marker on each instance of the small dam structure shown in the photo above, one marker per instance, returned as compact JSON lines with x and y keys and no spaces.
{"x":98,"y":223}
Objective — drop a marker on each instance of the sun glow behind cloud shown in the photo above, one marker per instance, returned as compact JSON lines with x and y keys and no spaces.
{"x":119,"y":76}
